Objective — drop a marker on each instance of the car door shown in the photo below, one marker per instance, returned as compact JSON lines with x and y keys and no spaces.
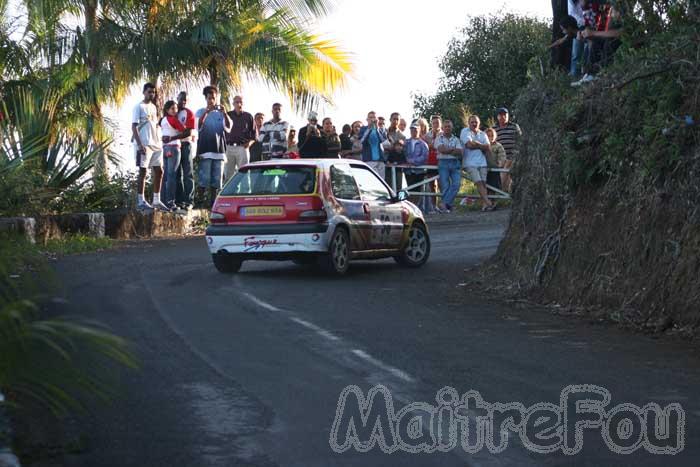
{"x":385,"y":215}
{"x":347,"y":194}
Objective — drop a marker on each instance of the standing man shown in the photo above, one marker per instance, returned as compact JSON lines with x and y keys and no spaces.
{"x":239,"y":139}
{"x":449,"y":149}
{"x":148,"y":148}
{"x":509,"y":134}
{"x":393,"y":148}
{"x":372,"y":137}
{"x":476,"y":146}
{"x":273,"y":135}
{"x":213,"y":123}
{"x":185,"y":176}
{"x":417,"y":154}
{"x":256,"y":148}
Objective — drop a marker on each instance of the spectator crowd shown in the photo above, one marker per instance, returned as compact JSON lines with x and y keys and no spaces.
{"x":590,"y":34}
{"x":225,"y":140}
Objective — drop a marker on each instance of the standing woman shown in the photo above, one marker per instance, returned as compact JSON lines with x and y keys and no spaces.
{"x":172,"y":132}
{"x":292,"y":147}
{"x":429,"y":137}
{"x":331,"y":138}
{"x":355,"y":151}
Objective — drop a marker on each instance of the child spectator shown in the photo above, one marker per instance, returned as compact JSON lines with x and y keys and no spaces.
{"x":495,"y":159}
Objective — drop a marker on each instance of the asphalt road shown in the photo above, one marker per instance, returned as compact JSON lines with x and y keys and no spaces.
{"x":248,"y":369}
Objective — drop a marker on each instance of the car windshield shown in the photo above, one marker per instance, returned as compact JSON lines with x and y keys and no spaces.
{"x":272,"y":180}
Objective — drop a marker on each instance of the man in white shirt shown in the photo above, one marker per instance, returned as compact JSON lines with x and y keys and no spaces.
{"x":476,"y":144}
{"x":449,"y":150}
{"x":148,"y":148}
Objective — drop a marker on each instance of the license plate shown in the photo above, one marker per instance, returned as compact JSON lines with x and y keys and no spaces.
{"x":259,"y":211}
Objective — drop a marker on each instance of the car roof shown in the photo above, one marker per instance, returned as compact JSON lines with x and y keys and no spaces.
{"x":325,"y":163}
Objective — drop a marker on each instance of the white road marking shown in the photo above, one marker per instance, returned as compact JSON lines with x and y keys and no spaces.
{"x":390,"y":369}
{"x":331,"y":337}
{"x":261,"y":303}
{"x":320,"y":331}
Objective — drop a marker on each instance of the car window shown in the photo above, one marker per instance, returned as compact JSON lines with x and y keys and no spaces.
{"x":343,"y":183}
{"x":371,"y":186}
{"x":272,"y":180}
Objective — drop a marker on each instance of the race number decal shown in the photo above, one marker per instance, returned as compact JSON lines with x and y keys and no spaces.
{"x":387,"y":226}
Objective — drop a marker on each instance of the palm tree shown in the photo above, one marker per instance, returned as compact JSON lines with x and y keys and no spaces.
{"x":121,"y":42}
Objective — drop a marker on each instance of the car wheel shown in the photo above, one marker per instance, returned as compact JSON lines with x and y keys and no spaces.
{"x":417,"y":249}
{"x":226,"y":263}
{"x":337,"y":260}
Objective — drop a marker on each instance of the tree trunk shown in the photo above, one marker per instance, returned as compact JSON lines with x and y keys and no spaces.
{"x":95,"y":117}
{"x":213,"y":74}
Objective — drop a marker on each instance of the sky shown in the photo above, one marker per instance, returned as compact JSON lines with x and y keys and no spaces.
{"x":395,"y":45}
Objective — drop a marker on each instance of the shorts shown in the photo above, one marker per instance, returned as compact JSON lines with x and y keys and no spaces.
{"x":210,"y":173}
{"x":148,"y":159}
{"x":477,"y":174}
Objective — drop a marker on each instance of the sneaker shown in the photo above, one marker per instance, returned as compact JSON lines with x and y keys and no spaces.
{"x":143,"y":206}
{"x":586,"y":79}
{"x":161,"y":207}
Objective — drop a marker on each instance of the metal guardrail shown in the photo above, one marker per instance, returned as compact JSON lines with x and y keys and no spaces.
{"x":499,"y":194}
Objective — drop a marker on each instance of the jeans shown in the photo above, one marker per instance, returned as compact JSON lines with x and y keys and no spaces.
{"x":576,"y":57}
{"x":450,"y":180}
{"x":171,"y":163}
{"x":210,"y":173}
{"x":185,"y":176}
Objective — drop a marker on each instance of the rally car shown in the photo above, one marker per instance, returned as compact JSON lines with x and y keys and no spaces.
{"x":314,"y":211}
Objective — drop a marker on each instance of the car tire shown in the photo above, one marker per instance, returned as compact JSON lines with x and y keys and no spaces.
{"x":227,"y":263}
{"x":337,"y":261}
{"x":417,"y":249}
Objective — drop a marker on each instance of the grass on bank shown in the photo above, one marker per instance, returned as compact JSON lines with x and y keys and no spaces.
{"x":76,"y":244}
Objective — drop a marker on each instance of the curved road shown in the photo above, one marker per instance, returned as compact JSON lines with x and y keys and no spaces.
{"x":248,"y":369}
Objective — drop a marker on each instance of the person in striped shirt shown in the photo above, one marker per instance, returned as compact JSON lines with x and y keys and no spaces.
{"x":509,"y":134}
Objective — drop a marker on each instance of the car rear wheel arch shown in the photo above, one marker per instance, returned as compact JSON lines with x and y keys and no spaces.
{"x":337,"y":260}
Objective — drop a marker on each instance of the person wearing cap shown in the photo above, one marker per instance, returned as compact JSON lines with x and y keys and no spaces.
{"x":509,"y":134}
{"x":311,"y":143}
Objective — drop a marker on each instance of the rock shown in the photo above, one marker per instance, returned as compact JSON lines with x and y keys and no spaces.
{"x":127,"y":224}
{"x":663,"y":324}
{"x":24,"y":226}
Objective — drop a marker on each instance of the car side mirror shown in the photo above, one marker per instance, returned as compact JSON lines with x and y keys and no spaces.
{"x":402,"y":196}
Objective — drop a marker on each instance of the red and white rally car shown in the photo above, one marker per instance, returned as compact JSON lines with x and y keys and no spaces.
{"x":326,"y":211}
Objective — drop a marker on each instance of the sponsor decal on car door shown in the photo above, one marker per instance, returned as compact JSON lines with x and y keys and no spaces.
{"x":387,"y":224}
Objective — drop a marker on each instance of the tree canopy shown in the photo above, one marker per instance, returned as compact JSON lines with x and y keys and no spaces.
{"x":485,"y":66}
